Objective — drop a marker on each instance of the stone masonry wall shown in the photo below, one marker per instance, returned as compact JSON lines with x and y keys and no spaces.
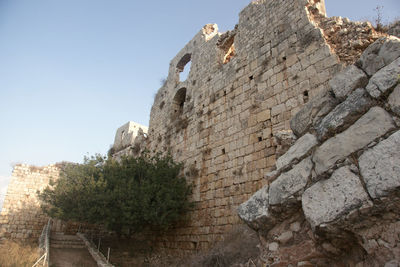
{"x":243,"y":88}
{"x":334,"y":198}
{"x":21,"y":216}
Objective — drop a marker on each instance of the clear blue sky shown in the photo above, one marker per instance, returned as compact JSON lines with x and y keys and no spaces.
{"x":73,"y":71}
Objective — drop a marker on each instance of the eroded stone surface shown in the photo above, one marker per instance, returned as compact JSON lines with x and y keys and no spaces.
{"x":375,"y":123}
{"x":255,"y":210}
{"x":298,"y":150}
{"x":381,"y":53}
{"x":290,"y":183}
{"x":346,"y":81}
{"x":394,"y":100}
{"x":384,"y":79}
{"x":312,"y":111}
{"x":344,"y":113}
{"x":330,"y":199}
{"x":380,"y":166}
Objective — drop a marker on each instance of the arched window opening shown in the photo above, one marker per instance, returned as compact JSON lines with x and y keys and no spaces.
{"x":179,"y":101}
{"x":183,"y":67}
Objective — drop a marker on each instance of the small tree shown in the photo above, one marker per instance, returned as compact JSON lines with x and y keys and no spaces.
{"x":125,"y":196}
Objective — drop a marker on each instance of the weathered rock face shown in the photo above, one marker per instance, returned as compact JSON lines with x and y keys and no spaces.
{"x":384,"y":79}
{"x":312,"y":112}
{"x":374,"y":124}
{"x":380,"y":167}
{"x":380,"y":54}
{"x":255,"y":210}
{"x":330,"y":199}
{"x":284,"y":189}
{"x":344,"y":114}
{"x":297,"y":151}
{"x":394,"y":100}
{"x":349,"y":178}
{"x":346,"y":81}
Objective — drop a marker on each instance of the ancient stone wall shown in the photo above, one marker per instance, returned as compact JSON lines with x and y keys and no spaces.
{"x":243,"y":88}
{"x":21,"y":216}
{"x":130,"y":139}
{"x":334,"y":197}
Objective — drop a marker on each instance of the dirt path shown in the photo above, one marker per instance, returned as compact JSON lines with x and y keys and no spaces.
{"x":71,"y":257}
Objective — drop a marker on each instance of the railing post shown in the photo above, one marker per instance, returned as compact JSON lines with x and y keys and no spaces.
{"x":108,"y":255}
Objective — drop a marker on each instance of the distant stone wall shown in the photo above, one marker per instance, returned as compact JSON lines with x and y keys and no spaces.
{"x":130,"y":139}
{"x":334,"y":198}
{"x":21,"y":216}
{"x":225,"y":121}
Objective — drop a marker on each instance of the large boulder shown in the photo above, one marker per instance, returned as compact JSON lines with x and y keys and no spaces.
{"x":372,"y":125}
{"x":312,"y":112}
{"x":380,"y":167}
{"x":297,"y":151}
{"x":347,"y":80}
{"x":394,"y":100}
{"x":289,"y":185}
{"x":384,"y":79}
{"x":345,"y":113}
{"x":381,"y":53}
{"x":255,"y":211}
{"x":328,"y":200}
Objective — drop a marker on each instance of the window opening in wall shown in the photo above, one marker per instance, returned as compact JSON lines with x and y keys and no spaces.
{"x":305,"y":96}
{"x":179,"y":101}
{"x":162,"y":104}
{"x":122,"y":134}
{"x":183,"y":67}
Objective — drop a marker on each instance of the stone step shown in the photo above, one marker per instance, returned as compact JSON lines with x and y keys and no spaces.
{"x":67,"y":245}
{"x":65,"y":241}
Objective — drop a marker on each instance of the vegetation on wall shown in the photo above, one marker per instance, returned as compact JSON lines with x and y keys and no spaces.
{"x":125,"y":196}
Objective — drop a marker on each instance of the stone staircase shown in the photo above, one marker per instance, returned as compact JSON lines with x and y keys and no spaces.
{"x":58,"y":240}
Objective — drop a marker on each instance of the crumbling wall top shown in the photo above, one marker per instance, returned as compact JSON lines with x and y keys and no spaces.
{"x":126,"y":134}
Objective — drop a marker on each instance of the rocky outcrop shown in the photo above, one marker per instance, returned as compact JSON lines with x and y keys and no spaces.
{"x":343,"y":172}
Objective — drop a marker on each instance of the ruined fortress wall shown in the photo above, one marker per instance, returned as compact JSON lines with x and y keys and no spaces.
{"x":221,"y":121}
{"x":21,"y":216}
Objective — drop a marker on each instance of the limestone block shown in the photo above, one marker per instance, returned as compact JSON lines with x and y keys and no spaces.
{"x":255,"y":210}
{"x":380,"y":166}
{"x":379,"y":54}
{"x":347,"y":80}
{"x":384,"y":79}
{"x":273,"y":246}
{"x":285,"y":237}
{"x":344,"y":113}
{"x":297,"y":151}
{"x":318,"y":107}
{"x":394,"y":100}
{"x":290,"y":183}
{"x":375,"y":123}
{"x":330,"y":199}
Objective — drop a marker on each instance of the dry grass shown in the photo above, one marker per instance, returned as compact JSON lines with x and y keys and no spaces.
{"x":239,"y":247}
{"x":13,"y":254}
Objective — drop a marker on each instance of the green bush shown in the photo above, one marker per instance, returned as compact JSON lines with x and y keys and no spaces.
{"x":125,"y":196}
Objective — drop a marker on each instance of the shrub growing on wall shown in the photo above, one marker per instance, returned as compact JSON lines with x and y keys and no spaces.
{"x":125,"y":196}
